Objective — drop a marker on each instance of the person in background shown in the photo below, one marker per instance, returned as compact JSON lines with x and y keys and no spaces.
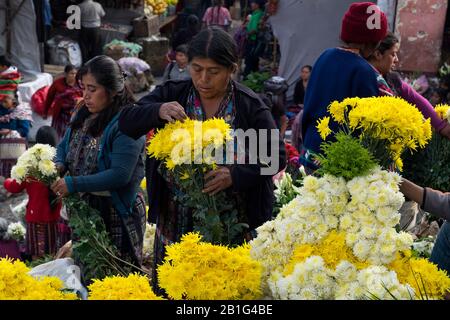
{"x":217,"y":15}
{"x":240,"y":36}
{"x":253,"y":49}
{"x":185,"y":35}
{"x":48,"y":135}
{"x":42,"y":217}
{"x":91,"y":17}
{"x":437,"y":203}
{"x":295,"y":112}
{"x":341,"y":73}
{"x":384,"y":60}
{"x":62,"y":98}
{"x":9,"y":78}
{"x":178,"y":69}
{"x":300,"y":87}
{"x":15,"y":123}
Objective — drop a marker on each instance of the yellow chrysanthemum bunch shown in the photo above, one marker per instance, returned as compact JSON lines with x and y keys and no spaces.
{"x":133,"y":287}
{"x":443,"y":111}
{"x":198,"y":270}
{"x":392,"y":121}
{"x":428,"y":281}
{"x":333,"y":249}
{"x":184,"y":142}
{"x":17,"y":284}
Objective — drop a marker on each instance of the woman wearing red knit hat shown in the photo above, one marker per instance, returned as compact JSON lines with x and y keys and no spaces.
{"x":342,"y":72}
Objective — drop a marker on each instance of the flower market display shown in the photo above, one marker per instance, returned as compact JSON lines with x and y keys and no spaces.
{"x":17,"y":284}
{"x":197,"y":270}
{"x":189,"y":150}
{"x":337,"y":238}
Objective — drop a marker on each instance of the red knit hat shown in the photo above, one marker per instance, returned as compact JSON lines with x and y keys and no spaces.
{"x":359,"y":24}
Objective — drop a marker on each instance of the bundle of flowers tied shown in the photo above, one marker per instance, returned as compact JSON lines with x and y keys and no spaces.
{"x":337,"y":239}
{"x":188,"y":150}
{"x":35,"y":171}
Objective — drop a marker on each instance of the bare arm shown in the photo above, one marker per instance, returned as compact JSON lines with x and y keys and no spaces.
{"x":412,"y":191}
{"x":433,"y":201}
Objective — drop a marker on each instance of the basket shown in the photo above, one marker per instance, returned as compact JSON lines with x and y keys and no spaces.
{"x":12,"y":148}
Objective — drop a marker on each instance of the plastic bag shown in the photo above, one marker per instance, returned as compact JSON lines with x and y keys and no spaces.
{"x":66,"y":270}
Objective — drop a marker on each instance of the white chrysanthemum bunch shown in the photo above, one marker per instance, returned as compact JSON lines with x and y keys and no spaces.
{"x":16,"y":231}
{"x":311,"y":280}
{"x":365,"y":209}
{"x":376,"y":282}
{"x":372,"y":215}
{"x":306,"y":219}
{"x":36,"y":162}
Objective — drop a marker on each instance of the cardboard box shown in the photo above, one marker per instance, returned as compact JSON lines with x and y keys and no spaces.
{"x":145,"y":27}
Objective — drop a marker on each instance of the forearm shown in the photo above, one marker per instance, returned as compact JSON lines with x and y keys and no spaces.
{"x":107,"y":180}
{"x":139,"y":120}
{"x":412,"y":191}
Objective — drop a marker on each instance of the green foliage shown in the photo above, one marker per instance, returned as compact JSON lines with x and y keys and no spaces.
{"x":345,"y":157}
{"x":255,"y":81}
{"x":429,"y":167}
{"x":91,"y":244}
{"x":214,"y":216}
{"x":44,"y":259}
{"x":287,"y":189}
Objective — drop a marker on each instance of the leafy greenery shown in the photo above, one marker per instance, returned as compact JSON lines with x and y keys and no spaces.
{"x":286,"y":190}
{"x":345,"y":157}
{"x":44,"y":259}
{"x":214,"y":216}
{"x":255,"y":81}
{"x":91,"y":244}
{"x":430,"y":166}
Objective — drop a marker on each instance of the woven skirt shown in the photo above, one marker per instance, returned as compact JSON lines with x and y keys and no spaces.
{"x":41,"y":239}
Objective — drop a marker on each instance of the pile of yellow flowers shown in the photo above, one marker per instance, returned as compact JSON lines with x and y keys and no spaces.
{"x":158,"y":6}
{"x":185,"y":142}
{"x":427,"y":280}
{"x":197,"y":270}
{"x":392,"y":121}
{"x":17,"y":284}
{"x":133,"y":287}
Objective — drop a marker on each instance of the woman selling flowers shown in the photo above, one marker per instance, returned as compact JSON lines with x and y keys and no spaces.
{"x":210,"y":94}
{"x":104,"y":165}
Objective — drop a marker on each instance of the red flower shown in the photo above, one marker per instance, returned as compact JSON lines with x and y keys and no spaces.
{"x":291,"y":151}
